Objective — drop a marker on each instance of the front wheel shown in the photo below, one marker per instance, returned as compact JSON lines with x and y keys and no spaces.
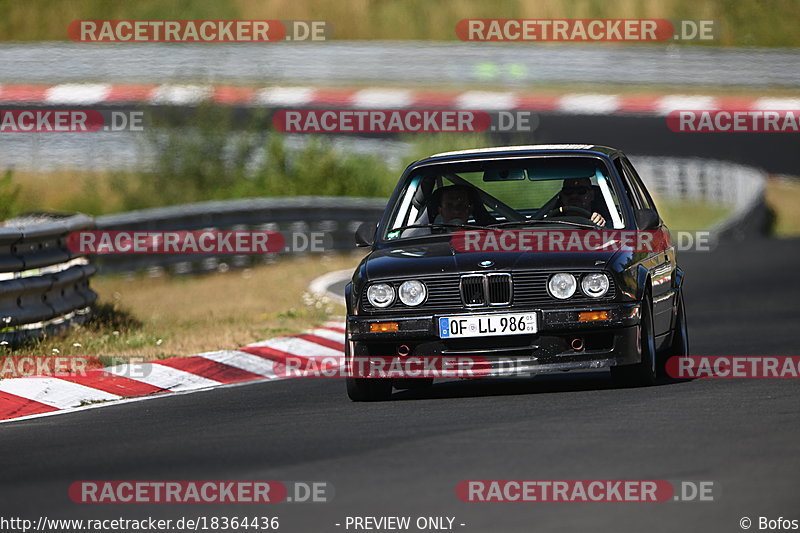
{"x":365,"y":389}
{"x":643,"y":373}
{"x":679,"y":347}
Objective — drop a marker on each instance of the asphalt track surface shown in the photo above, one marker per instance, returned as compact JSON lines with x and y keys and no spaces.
{"x":405,"y":457}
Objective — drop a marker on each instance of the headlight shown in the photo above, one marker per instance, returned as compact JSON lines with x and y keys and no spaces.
{"x":562,"y":285}
{"x":412,"y":292}
{"x":594,"y":285}
{"x":380,"y":295}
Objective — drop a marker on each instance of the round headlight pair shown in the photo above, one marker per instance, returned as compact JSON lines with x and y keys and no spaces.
{"x":563,"y":285}
{"x":411,"y":292}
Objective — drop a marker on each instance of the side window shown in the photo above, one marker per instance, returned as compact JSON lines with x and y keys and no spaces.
{"x":628,"y":184}
{"x":633,"y":177}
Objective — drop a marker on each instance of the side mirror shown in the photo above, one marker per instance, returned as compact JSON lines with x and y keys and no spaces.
{"x":365,"y":234}
{"x":647,"y":219}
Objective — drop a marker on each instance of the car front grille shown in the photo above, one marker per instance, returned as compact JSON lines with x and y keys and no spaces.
{"x":473,"y":291}
{"x":486,"y":291}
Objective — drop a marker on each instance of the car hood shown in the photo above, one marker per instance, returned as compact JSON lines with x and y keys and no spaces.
{"x":439,"y":257}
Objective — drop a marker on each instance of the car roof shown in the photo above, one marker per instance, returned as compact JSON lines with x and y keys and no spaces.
{"x":515,"y":151}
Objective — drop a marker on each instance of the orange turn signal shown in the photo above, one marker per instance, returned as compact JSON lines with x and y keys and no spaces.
{"x":382,"y":327}
{"x":592,"y":316}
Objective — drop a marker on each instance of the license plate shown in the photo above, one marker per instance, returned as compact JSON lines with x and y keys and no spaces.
{"x":486,"y":325}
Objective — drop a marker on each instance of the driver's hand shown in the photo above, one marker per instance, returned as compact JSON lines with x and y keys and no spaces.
{"x":598,"y":219}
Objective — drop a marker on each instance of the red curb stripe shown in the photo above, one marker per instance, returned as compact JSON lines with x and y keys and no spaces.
{"x":639,"y":104}
{"x":735,"y":102}
{"x":206,"y":368}
{"x":536,"y":102}
{"x":434,"y":99}
{"x":113,"y":384}
{"x":333,"y":328}
{"x":333,"y":97}
{"x":328,"y":343}
{"x":13,"y":406}
{"x":233,"y":95}
{"x":23,"y":93}
{"x":130,"y":93}
{"x":270,"y":353}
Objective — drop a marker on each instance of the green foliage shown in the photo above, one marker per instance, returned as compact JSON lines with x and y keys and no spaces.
{"x":217,"y":158}
{"x":9,"y":193}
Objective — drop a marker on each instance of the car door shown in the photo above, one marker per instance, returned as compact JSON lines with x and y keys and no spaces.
{"x":660,"y":264}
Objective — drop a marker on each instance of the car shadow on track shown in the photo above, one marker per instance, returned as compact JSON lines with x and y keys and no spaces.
{"x":546,"y":384}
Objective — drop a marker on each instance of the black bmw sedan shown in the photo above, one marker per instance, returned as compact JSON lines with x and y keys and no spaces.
{"x":514,"y":261}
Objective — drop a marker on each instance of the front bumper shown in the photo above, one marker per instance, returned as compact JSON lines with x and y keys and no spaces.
{"x":553,"y":348}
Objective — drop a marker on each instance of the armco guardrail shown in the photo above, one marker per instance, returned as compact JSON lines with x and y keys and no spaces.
{"x":738,"y":187}
{"x":334,"y":219}
{"x":44,"y":287}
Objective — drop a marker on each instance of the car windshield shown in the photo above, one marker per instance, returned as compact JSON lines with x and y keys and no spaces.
{"x":531,"y":193}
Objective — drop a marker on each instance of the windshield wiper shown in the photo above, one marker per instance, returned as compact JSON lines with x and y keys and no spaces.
{"x":544,"y":221}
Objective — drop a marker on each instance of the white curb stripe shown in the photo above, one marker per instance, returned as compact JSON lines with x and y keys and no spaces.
{"x":163,"y":377}
{"x":299,"y":347}
{"x":180,"y":94}
{"x":777,"y":104}
{"x":486,"y":101}
{"x":679,"y":102}
{"x":284,"y":96}
{"x":244,"y":361}
{"x":328,"y":334}
{"x":589,"y":104}
{"x":383,"y":98}
{"x":77,"y":93}
{"x":54,"y":392}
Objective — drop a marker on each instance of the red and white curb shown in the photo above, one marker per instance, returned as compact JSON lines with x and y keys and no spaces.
{"x":44,"y":395}
{"x":380,"y":98}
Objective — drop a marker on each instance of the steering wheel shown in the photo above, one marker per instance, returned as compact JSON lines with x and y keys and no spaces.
{"x":570,"y":210}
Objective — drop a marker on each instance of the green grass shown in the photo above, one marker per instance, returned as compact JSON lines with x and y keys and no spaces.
{"x":690,"y":216}
{"x":783,"y":197}
{"x":742,"y":22}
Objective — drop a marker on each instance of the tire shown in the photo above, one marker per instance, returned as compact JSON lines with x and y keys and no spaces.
{"x":679,"y":346}
{"x":412,"y":383}
{"x":366,"y":389}
{"x":643,"y":373}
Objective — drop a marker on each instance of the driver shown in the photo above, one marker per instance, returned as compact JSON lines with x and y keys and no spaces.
{"x":455,"y":205}
{"x":578,"y":192}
